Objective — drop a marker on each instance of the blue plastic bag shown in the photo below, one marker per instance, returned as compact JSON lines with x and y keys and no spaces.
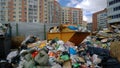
{"x":72,"y":28}
{"x":72,"y":51}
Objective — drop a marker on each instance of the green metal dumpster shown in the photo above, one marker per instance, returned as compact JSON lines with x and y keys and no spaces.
{"x":5,"y":41}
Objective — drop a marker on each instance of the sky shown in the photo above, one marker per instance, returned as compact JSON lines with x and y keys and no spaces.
{"x":88,"y":6}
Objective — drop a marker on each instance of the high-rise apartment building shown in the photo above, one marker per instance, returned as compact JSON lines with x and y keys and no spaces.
{"x":43,"y":11}
{"x":3,"y":10}
{"x":100,"y":20}
{"x":71,"y":15}
{"x":50,"y":11}
{"x":113,"y":8}
{"x":17,"y":10}
{"x":57,"y":12}
{"x":23,"y":10}
{"x":32,"y":10}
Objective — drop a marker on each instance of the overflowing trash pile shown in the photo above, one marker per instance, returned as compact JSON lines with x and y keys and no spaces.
{"x":68,"y":28}
{"x":93,"y":52}
{"x":116,"y":28}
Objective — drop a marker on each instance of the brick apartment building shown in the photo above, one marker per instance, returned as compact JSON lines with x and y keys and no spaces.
{"x":43,"y":11}
{"x":71,"y":15}
{"x":99,"y":20}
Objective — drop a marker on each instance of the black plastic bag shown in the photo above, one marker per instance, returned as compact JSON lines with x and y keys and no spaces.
{"x":5,"y":65}
{"x":110,"y":63}
{"x":98,"y":51}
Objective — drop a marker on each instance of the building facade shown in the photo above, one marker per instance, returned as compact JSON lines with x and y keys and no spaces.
{"x":100,"y":20}
{"x":32,"y":10}
{"x":84,"y":23}
{"x":57,"y":12}
{"x":54,"y":12}
{"x":71,"y":15}
{"x":3,"y":10}
{"x":113,"y":8}
{"x":43,"y":11}
{"x":17,"y":10}
{"x":89,"y":26}
{"x":23,"y":11}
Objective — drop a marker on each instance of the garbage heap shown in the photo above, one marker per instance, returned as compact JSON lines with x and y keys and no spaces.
{"x":113,"y":39}
{"x":55,"y":53}
{"x":68,"y":28}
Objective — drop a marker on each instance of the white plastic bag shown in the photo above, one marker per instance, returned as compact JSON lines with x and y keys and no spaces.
{"x":11,"y":55}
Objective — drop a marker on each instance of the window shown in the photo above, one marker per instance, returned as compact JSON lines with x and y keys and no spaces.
{"x":113,"y":2}
{"x":30,"y":5}
{"x":20,"y":12}
{"x":19,"y":7}
{"x":116,"y":8}
{"x":19,"y":19}
{"x":35,"y":9}
{"x":25,"y":12}
{"x":19,"y":15}
{"x":119,"y":15}
{"x":45,"y":0}
{"x":14,"y":4}
{"x":115,"y":16}
{"x":45,"y":21}
{"x":35,"y":20}
{"x":14,"y":16}
{"x":35,"y":6}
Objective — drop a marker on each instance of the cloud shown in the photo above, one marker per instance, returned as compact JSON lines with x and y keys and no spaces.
{"x":58,"y":0}
{"x":87,"y":18}
{"x":72,"y":3}
{"x":88,"y":6}
{"x":91,"y":5}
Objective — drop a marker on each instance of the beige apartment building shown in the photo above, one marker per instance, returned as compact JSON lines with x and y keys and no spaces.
{"x":49,"y":11}
{"x":71,"y":15}
{"x":22,"y":10}
{"x":84,"y":23}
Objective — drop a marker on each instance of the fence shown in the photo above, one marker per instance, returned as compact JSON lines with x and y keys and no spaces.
{"x":25,"y":29}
